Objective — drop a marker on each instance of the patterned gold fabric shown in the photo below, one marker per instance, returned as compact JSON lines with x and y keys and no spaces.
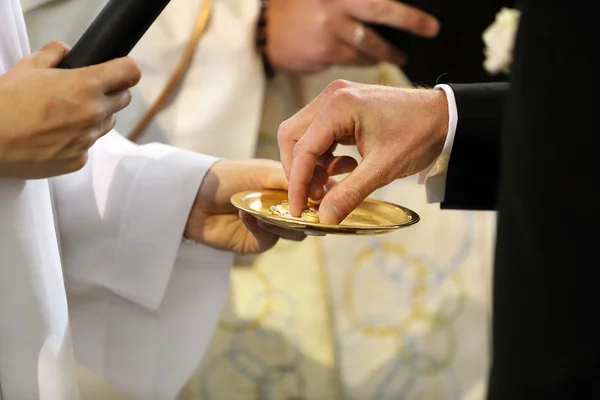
{"x":274,"y":340}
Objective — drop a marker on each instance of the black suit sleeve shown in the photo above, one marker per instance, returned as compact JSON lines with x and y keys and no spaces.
{"x":472,"y":177}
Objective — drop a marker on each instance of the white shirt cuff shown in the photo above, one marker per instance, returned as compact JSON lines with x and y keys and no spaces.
{"x":434,"y":177}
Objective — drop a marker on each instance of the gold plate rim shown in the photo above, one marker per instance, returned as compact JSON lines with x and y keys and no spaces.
{"x":237,"y":200}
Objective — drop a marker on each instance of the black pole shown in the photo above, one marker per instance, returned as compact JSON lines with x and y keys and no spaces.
{"x":114,"y":32}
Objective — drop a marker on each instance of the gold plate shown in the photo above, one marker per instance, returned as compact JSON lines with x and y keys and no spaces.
{"x":372,"y":217}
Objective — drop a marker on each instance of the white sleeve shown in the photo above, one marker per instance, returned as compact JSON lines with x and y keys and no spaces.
{"x":434,"y":177}
{"x":142,"y":304}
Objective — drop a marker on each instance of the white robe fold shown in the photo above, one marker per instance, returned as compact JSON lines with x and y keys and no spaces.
{"x":97,"y":255}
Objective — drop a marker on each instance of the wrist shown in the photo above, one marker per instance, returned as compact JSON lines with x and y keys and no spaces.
{"x":440,"y":118}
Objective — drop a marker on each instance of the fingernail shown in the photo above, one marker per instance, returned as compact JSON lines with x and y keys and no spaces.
{"x":329,"y":214}
{"x":295,"y":209}
{"x":432,"y":27}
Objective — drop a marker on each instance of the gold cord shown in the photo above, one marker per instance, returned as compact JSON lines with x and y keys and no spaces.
{"x":178,"y":74}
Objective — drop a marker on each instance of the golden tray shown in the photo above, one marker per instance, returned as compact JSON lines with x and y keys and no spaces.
{"x":372,"y":217}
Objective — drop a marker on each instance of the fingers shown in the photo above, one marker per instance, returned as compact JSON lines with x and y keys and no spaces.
{"x":106,"y":126}
{"x":291,"y":130}
{"x":266,"y":236}
{"x":318,"y":182}
{"x":321,"y":182}
{"x":263,"y":240}
{"x":115,"y":75}
{"x":393,"y":13}
{"x":80,"y":142}
{"x":117,"y":101}
{"x":337,"y":165}
{"x":346,"y":54}
{"x":99,"y":111}
{"x":348,"y":194}
{"x":335,"y":120}
{"x":48,"y":56}
{"x":301,"y":175}
{"x":372,"y":46}
{"x":88,"y":140}
{"x":275,"y":175}
{"x":286,"y":234}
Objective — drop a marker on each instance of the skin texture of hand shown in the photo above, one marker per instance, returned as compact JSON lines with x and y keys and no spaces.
{"x":49,"y":118}
{"x":311,"y":35}
{"x":215,"y":222}
{"x":398,"y":133}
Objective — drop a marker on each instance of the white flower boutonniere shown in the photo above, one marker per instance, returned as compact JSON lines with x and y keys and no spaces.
{"x":499,"y":41}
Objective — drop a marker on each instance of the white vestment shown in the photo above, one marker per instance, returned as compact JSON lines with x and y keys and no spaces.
{"x":97,"y":256}
{"x":217,"y":109}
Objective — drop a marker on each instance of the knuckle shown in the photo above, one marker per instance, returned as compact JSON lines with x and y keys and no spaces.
{"x":106,"y":127}
{"x":58,"y":45}
{"x":285,"y":131}
{"x":322,"y":20}
{"x":338,"y":84}
{"x":112,"y":122}
{"x":346,"y":96}
{"x":125,"y":99}
{"x":301,"y":147}
{"x":87,"y":139}
{"x":93,"y":113}
{"x":298,"y":149}
{"x":86,"y":86}
{"x":90,"y":139}
{"x":78,"y":162}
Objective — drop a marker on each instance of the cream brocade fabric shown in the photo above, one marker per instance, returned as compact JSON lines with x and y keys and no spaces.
{"x":400,"y":316}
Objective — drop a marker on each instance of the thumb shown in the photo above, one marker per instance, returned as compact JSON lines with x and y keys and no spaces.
{"x":276,"y":178}
{"x":49,"y":56}
{"x":348,"y":194}
{"x":265,"y":174}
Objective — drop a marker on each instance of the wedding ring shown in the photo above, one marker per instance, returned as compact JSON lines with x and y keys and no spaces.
{"x":359,"y":36}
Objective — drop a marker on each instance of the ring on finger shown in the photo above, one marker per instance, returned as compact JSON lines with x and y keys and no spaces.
{"x":359,"y":36}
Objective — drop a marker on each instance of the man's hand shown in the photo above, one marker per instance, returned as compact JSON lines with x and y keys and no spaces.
{"x":49,"y":118}
{"x":215,"y":222}
{"x":398,"y":132}
{"x":310,"y":35}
